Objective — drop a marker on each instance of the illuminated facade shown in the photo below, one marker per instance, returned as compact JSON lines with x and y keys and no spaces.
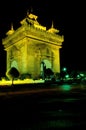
{"x":32,"y":46}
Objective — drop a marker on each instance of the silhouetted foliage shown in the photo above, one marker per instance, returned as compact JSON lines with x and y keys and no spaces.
{"x":48,"y":72}
{"x":12,"y":74}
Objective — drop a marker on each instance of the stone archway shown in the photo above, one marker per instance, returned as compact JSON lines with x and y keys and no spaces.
{"x":45,"y":64}
{"x":14,"y":64}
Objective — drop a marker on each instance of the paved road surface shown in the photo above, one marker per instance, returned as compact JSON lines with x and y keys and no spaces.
{"x":43,"y":109}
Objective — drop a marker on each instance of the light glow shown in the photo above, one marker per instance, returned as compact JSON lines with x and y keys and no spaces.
{"x":66,"y":87}
{"x":25,"y":81}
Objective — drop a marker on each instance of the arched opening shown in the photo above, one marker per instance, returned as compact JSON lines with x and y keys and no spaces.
{"x":43,"y":67}
{"x":45,"y":64}
{"x":14,"y":64}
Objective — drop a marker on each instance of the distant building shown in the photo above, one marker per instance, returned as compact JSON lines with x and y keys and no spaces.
{"x":31,"y":47}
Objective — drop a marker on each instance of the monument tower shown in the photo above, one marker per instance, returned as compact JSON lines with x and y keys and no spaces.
{"x":31,"y":47}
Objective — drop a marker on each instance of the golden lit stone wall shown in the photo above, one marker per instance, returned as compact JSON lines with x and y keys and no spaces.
{"x":29,"y":55}
{"x":56,"y":61}
{"x":17,"y":53}
{"x":40,"y":52}
{"x":30,"y":45}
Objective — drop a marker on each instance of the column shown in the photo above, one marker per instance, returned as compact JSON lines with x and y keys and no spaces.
{"x":56,"y":61}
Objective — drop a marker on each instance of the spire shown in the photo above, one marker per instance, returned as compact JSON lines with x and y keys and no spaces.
{"x":11,"y":31}
{"x":31,"y":10}
{"x":12,"y":26}
{"x":52,"y":26}
{"x":31,"y":15}
{"x":27,"y":12}
{"x":52,"y":29}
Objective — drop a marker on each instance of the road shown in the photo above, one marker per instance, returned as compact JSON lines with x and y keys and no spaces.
{"x":43,"y":109}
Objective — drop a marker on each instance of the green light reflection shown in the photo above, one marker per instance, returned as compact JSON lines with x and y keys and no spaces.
{"x":66,"y":87}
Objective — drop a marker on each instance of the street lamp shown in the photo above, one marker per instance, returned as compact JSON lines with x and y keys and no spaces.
{"x":64,"y":69}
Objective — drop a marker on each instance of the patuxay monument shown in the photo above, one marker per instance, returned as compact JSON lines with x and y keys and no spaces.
{"x":31,"y":47}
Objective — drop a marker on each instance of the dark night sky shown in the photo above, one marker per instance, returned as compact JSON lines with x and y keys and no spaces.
{"x":69,"y":18}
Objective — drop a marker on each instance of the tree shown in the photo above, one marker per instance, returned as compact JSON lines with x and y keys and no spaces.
{"x":12,"y":74}
{"x":48,"y":72}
